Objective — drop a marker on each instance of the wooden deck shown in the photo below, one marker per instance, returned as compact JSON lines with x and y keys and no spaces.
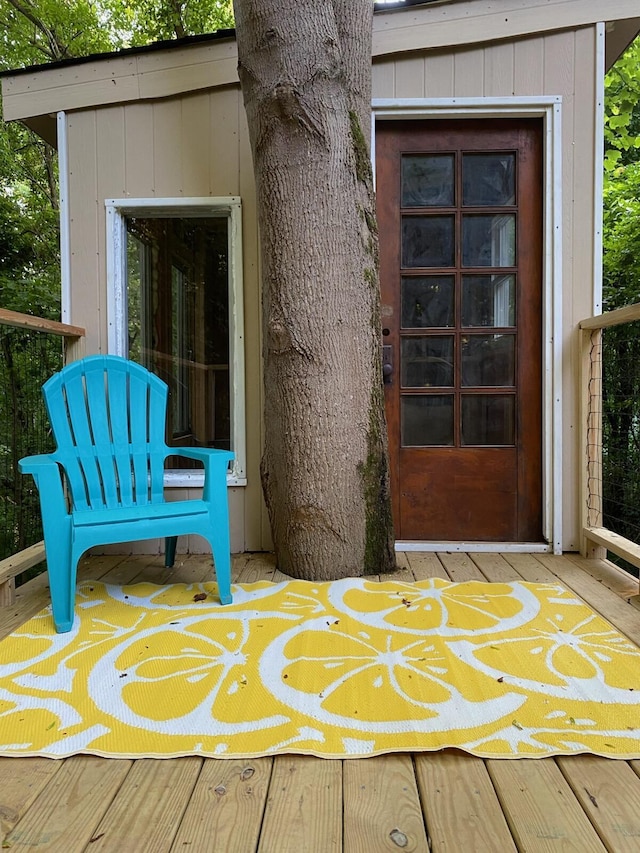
{"x":444,"y":801}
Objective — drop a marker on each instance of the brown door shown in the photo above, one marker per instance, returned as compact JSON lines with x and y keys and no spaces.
{"x":460,"y":217}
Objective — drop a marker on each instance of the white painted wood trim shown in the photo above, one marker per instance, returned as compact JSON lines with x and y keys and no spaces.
{"x":230,"y":206}
{"x":116,"y":281}
{"x":481,"y":547}
{"x":598,"y":163}
{"x":63,"y":198}
{"x":553,"y":344}
{"x":549,"y":108}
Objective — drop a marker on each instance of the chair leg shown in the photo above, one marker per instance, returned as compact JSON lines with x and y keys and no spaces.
{"x":62,"y":567}
{"x":222,"y":562}
{"x":170,"y":551}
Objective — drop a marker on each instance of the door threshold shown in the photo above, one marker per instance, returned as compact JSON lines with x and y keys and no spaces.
{"x":486,"y":547}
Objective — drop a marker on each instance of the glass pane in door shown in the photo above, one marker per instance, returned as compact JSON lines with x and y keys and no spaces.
{"x":427,"y":421}
{"x":428,"y":302}
{"x":427,"y":362}
{"x":428,"y":241}
{"x":489,"y":240}
{"x":488,"y":360}
{"x":488,"y":419}
{"x":427,"y":180}
{"x":488,"y":179}
{"x":488,"y":300}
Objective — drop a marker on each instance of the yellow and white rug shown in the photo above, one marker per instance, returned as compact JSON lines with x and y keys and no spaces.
{"x":345,"y":669}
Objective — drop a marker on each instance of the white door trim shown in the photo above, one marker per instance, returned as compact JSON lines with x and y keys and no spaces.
{"x":549,"y":109}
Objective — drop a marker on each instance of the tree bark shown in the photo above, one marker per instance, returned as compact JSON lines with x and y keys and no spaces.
{"x":305,"y":70}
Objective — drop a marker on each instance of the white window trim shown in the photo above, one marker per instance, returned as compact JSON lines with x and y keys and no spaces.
{"x":548,"y":108}
{"x":63,"y":198}
{"x":116,"y":211}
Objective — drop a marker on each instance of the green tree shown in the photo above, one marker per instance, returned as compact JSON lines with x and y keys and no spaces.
{"x":622,"y":110}
{"x":139,"y":22}
{"x":621,"y":286}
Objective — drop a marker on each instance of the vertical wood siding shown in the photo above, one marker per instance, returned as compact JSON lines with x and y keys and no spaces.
{"x":193,"y":146}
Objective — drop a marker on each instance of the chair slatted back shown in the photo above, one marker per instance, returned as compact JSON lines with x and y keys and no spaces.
{"x":108,"y":418}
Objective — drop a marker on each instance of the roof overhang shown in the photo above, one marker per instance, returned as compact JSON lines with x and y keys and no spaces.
{"x":35,"y":95}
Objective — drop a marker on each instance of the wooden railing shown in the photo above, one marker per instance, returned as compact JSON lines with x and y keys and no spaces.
{"x":597,"y":539}
{"x":73,"y":337}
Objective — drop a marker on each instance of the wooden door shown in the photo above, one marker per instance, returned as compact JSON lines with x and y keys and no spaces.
{"x":460,"y":217}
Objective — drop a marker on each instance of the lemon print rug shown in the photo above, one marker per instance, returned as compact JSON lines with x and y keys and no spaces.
{"x":346,"y":669}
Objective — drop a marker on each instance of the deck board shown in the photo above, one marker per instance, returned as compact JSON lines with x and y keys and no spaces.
{"x":149,"y":806}
{"x":541,"y":809}
{"x":64,"y":816}
{"x":425,"y":565}
{"x":448,"y":800}
{"x":613,"y":577}
{"x":460,"y":567}
{"x":304,"y":806}
{"x":21,"y":780}
{"x":462,"y":811}
{"x":226,"y":807}
{"x":495,"y":568}
{"x":596,"y":783}
{"x":382,"y":808}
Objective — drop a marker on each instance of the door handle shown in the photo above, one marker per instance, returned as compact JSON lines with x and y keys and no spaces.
{"x":387,"y":364}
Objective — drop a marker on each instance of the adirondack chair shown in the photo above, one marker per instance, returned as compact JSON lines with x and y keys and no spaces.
{"x":108,"y":418}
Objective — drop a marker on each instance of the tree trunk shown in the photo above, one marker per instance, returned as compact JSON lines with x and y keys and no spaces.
{"x":305,"y":70}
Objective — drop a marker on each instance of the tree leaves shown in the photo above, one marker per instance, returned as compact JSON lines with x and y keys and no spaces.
{"x":40,"y":31}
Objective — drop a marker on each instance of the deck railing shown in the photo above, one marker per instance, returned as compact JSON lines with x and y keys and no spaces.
{"x":28,"y":360}
{"x":610,"y":434}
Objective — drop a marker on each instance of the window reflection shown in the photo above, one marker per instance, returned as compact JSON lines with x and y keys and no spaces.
{"x":488,"y":300}
{"x":488,"y":179}
{"x":178,"y":321}
{"x":489,"y":241}
{"x":427,"y":180}
{"x":427,"y":362}
{"x":427,"y":301}
{"x":428,"y":241}
{"x":427,"y":421}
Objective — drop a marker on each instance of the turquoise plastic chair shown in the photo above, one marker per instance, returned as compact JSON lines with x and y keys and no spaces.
{"x":108,"y":418}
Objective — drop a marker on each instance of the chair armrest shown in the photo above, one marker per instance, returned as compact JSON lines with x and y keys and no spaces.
{"x":206,"y":455}
{"x":37,"y":465}
{"x":45,"y":470}
{"x":215,"y":467}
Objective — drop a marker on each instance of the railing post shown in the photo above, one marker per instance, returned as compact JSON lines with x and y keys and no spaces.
{"x":8,"y":592}
{"x":591,"y":439}
{"x":74,"y":348}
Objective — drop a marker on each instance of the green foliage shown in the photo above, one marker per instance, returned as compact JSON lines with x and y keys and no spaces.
{"x":621,"y":237}
{"x":621,"y":286}
{"x":622,"y":110}
{"x":38,"y":31}
{"x":139,"y":22}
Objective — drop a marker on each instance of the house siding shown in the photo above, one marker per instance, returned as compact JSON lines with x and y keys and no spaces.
{"x":193,"y":146}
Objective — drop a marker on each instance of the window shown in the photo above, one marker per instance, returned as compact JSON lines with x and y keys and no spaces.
{"x":175,"y":305}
